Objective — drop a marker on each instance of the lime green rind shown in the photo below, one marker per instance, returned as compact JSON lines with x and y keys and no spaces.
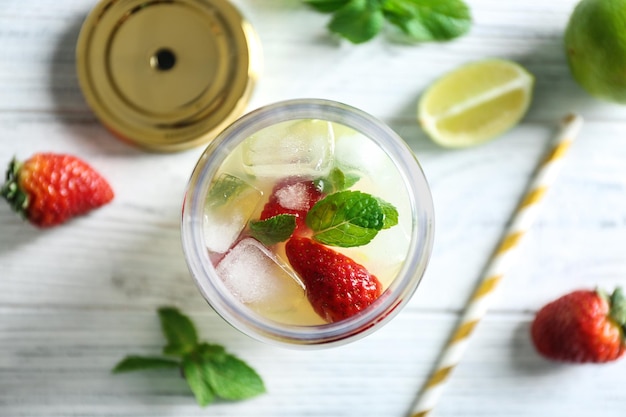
{"x":595,"y":46}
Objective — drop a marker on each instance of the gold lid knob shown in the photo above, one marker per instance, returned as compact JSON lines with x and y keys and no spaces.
{"x":167,"y":75}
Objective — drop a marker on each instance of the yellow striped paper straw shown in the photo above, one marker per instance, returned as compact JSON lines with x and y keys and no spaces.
{"x":477,"y":306}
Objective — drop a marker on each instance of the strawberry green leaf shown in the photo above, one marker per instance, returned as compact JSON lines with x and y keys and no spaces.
{"x":142,"y":363}
{"x":178,"y":330}
{"x":228,"y":376}
{"x":18,"y":199}
{"x":618,"y":308}
{"x":273,"y":230}
{"x":358,"y":21}
{"x":195,"y":376}
{"x":346,"y":218}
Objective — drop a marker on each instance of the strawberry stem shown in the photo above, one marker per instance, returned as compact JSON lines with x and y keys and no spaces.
{"x":17,"y":199}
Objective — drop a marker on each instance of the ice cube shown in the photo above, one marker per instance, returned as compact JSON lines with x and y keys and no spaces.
{"x":385,"y":254}
{"x":259,"y":279}
{"x":303,"y":147}
{"x":294,"y":196}
{"x":230,"y":203}
{"x":356,"y":151}
{"x":357,"y":154}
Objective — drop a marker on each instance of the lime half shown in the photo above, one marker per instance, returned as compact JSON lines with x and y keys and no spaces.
{"x":475,"y":103}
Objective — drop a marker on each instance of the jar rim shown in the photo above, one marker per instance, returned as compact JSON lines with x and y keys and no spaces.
{"x":352,"y":328}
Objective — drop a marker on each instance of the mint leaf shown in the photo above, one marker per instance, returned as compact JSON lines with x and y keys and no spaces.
{"x":390,"y":212}
{"x":337,"y":180}
{"x":210,"y":350}
{"x":327,"y":6}
{"x":358,"y":21}
{"x":223,"y":189}
{"x":429,"y":20}
{"x":228,"y":376}
{"x":273,"y":230}
{"x":178,"y":330}
{"x":419,"y":20}
{"x":212,"y":372}
{"x":346,"y":218}
{"x":349,"y":180}
{"x":346,"y":236}
{"x":141,"y":363}
{"x":196,"y":379}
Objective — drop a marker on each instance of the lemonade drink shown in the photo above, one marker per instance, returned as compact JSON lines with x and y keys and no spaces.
{"x":280,"y":204}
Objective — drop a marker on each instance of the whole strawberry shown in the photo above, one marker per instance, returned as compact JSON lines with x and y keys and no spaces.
{"x":49,"y":189}
{"x":292,"y":196}
{"x":336,"y":286}
{"x":582,"y":326}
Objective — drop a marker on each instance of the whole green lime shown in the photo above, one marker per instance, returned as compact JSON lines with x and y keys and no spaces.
{"x":595,"y":43}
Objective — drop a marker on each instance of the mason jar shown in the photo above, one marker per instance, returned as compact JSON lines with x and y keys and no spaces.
{"x":307,"y":222}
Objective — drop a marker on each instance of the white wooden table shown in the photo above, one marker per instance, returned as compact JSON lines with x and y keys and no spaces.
{"x":76,"y":299}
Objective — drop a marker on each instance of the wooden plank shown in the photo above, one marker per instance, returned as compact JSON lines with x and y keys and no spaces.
{"x":76,"y":299}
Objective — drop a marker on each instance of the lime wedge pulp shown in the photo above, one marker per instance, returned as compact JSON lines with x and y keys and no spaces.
{"x":475,"y":103}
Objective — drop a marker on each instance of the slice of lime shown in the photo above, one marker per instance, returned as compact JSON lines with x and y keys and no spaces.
{"x":475,"y":103}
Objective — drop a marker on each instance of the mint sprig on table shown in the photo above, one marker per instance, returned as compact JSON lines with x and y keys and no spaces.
{"x":210,"y":371}
{"x":419,"y":20}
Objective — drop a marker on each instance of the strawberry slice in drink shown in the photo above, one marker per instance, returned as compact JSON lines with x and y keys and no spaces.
{"x":337,"y":287}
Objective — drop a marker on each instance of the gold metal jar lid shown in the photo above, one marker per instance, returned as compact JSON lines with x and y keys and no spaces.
{"x":167,"y":75}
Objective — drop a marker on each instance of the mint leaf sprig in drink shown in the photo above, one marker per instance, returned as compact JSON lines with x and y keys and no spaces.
{"x":210,"y":371}
{"x":273,"y":230}
{"x":350,"y":218}
{"x":343,"y":218}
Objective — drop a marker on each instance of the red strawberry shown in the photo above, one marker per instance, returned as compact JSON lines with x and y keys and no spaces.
{"x":582,"y":326}
{"x":292,"y":196}
{"x":336,"y":286}
{"x":49,"y":189}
